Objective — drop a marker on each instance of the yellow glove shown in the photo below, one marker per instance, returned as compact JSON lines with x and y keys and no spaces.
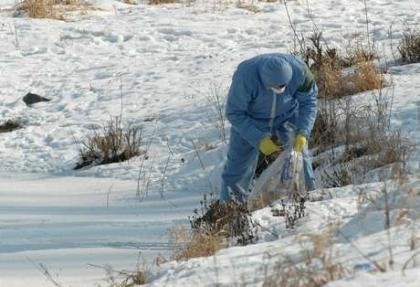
{"x":300,"y":143}
{"x":267,"y":146}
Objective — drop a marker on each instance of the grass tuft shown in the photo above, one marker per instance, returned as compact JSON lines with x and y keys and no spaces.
{"x":409,"y":47}
{"x":53,"y":9}
{"x":214,"y":227}
{"x":159,"y":2}
{"x":113,"y":144}
{"x":191,"y":244}
{"x":316,"y":268}
{"x":327,"y":66}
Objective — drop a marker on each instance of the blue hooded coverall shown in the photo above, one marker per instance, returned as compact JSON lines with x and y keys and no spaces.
{"x":256,"y":112}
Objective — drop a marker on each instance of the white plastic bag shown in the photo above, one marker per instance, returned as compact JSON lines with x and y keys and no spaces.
{"x":284,"y":177}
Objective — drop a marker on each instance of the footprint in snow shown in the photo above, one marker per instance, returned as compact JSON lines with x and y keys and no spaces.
{"x":111,"y":37}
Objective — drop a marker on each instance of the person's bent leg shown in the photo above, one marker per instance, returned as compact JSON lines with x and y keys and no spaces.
{"x":239,"y":167}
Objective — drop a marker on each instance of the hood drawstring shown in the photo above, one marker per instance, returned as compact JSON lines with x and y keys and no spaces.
{"x":273,"y":113}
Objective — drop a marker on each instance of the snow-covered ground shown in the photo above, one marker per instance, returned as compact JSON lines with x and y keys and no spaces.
{"x":156,"y":65}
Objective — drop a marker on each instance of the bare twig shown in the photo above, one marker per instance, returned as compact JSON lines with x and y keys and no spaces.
{"x":44,"y":270}
{"x":367,"y":24}
{"x":388,"y":224}
{"x":296,"y":36}
{"x":198,"y":155}
{"x":144,"y":177}
{"x":107,"y":195}
{"x":412,"y":257}
{"x":379,"y":267}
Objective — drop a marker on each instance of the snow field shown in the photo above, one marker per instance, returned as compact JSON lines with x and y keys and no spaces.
{"x":157,"y":64}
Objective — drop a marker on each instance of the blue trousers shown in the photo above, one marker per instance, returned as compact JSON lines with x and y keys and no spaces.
{"x":242,"y":160}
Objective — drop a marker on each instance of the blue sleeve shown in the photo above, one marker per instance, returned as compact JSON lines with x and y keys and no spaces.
{"x":306,"y":95}
{"x":239,"y":97}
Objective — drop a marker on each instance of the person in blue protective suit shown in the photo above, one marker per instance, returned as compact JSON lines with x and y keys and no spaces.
{"x":271,"y":95}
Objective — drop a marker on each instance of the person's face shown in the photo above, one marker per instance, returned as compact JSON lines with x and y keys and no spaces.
{"x":278,"y":89}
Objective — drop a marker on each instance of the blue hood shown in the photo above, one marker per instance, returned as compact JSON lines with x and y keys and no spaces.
{"x":275,"y":71}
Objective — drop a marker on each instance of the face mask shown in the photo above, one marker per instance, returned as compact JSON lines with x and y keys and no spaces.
{"x":278,"y":90}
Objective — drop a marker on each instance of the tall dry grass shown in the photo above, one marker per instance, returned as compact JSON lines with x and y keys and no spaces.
{"x":328,"y":64}
{"x":409,"y":46}
{"x":53,"y":9}
{"x":191,"y":244}
{"x":159,"y":2}
{"x":112,"y":143}
{"x":316,"y":267}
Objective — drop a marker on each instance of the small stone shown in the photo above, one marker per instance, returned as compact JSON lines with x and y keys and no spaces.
{"x":31,"y":99}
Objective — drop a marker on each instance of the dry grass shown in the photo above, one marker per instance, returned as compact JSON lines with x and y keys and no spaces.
{"x":357,"y":137}
{"x":113,"y":144}
{"x":409,"y":47}
{"x":365,"y":78}
{"x":159,"y":2}
{"x":387,"y":149}
{"x":316,"y":269}
{"x":327,"y":66}
{"x":249,"y":7}
{"x":38,"y":8}
{"x":216,"y":226}
{"x":123,"y":278}
{"x":54,"y":9}
{"x":229,"y":220}
{"x":130,"y":2}
{"x":362,"y":130}
{"x":136,"y":279}
{"x":192,"y":244}
{"x":326,"y":127}
{"x":9,"y":126}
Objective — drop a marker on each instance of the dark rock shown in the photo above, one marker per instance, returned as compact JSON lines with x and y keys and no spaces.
{"x":31,"y":99}
{"x":9,"y":126}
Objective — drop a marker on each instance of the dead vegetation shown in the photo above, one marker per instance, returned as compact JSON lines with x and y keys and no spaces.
{"x":123,"y":278}
{"x":112,"y":143}
{"x":159,"y":2}
{"x":351,"y":139}
{"x":356,"y":136}
{"x":215,"y":226}
{"x":130,"y":2}
{"x":191,"y":244}
{"x":409,"y":46}
{"x":53,"y":9}
{"x":316,"y":268}
{"x":329,"y":67}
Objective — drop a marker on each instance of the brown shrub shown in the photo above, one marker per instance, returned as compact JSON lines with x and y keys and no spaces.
{"x":230,"y":220}
{"x":365,"y":78}
{"x":158,"y":2}
{"x":54,"y":9}
{"x":113,"y":144}
{"x":214,"y":227}
{"x":409,"y":46}
{"x":387,"y":148}
{"x":326,"y":130}
{"x":38,"y":8}
{"x":327,"y":66}
{"x":131,"y":2}
{"x":358,"y":139}
{"x":316,"y":269}
{"x":122,"y":278}
{"x":191,"y":244}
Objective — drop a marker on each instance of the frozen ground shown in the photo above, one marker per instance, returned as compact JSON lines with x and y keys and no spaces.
{"x":156,"y":66}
